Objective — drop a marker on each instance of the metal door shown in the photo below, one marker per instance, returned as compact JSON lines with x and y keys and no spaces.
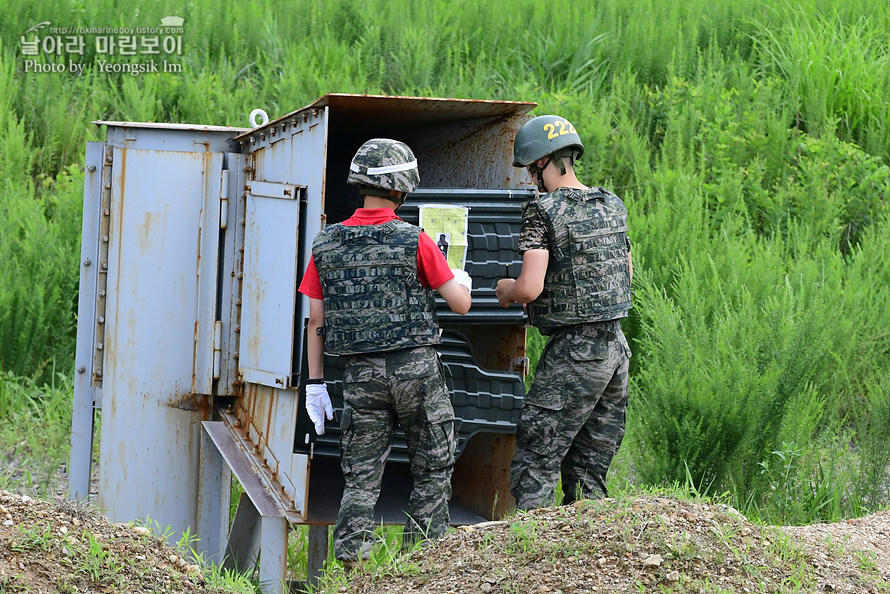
{"x":269,"y":291}
{"x":161,"y":276}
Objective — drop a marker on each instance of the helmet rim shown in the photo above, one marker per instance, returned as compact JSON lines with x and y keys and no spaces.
{"x":542,"y":136}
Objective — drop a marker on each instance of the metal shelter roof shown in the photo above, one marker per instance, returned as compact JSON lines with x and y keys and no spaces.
{"x":163,"y":126}
{"x":387,"y":111}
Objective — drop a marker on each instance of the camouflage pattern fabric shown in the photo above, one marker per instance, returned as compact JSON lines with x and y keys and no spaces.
{"x":407,"y":388}
{"x":572,"y":420}
{"x":386,"y":164}
{"x":588,"y":276}
{"x":373,"y":300}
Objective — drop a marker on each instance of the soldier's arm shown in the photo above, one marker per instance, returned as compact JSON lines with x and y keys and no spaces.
{"x":630,"y":264}
{"x":315,"y":339}
{"x":432,"y":268}
{"x":456,"y":296}
{"x":530,"y":283}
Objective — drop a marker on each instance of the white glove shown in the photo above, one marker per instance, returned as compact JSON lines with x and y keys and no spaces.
{"x":318,"y":405}
{"x":463,"y":279}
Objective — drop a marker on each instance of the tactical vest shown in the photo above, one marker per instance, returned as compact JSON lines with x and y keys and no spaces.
{"x":373,"y":300}
{"x":588,"y":275}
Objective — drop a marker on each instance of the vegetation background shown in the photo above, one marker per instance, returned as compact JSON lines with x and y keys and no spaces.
{"x":749,"y":140}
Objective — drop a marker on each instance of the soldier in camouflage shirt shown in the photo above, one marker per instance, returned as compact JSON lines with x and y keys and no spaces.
{"x":370,"y":285}
{"x":576,"y":275}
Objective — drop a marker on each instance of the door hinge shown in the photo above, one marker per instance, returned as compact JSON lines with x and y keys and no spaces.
{"x":102,"y":276}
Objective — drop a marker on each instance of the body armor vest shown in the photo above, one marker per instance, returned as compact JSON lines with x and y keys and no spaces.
{"x":373,"y":300}
{"x":588,"y":275}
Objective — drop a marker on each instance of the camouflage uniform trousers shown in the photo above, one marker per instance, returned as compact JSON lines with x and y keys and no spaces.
{"x":380,"y":390}
{"x":572,"y":420}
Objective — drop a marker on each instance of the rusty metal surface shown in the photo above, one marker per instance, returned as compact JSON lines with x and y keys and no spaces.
{"x":231,"y":275}
{"x":269,"y":289}
{"x":214,"y":501}
{"x":150,"y":440}
{"x":470,"y":154}
{"x":496,"y":346}
{"x":103,"y":223}
{"x":171,"y":137}
{"x":207,"y":266}
{"x":243,"y":465}
{"x":162,"y":126}
{"x":85,"y":394}
{"x":481,"y":478}
{"x":300,"y":158}
{"x":316,"y":554}
{"x":350,"y":111}
{"x":265,"y":418}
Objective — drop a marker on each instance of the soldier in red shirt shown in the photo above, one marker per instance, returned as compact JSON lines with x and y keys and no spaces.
{"x":370,"y":285}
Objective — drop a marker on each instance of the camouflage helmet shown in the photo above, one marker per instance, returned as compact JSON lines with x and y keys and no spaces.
{"x":545,"y":135}
{"x":384,"y":164}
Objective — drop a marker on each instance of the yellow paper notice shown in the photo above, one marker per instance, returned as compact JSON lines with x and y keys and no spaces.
{"x":447,"y":225}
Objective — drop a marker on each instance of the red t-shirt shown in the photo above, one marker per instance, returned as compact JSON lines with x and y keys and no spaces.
{"x":432,"y":267}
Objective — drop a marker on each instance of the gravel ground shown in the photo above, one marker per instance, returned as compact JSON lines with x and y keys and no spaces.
{"x":642,"y":544}
{"x":63,"y":547}
{"x":648,"y":544}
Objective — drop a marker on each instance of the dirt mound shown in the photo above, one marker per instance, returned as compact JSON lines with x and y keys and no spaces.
{"x":648,"y":544}
{"x":613,"y":545}
{"x":61,"y":546}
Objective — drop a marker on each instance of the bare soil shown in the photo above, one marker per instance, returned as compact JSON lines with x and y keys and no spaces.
{"x":63,"y":547}
{"x":651,"y":544}
{"x":644,"y":544}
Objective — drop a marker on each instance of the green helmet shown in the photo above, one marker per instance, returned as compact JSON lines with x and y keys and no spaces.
{"x":384,"y":164}
{"x":545,"y":135}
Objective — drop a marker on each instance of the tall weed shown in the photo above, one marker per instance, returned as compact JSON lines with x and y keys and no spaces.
{"x":34,"y":458}
{"x":836,"y":68}
{"x":738,"y":361}
{"x":40,"y":239}
{"x":874,"y":448}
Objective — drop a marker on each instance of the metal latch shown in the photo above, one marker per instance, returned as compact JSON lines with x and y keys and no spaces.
{"x":520,"y":364}
{"x":224,"y":199}
{"x":217,"y":348}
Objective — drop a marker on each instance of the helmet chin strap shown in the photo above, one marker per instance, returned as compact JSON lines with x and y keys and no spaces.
{"x":539,"y":180}
{"x":538,"y":173}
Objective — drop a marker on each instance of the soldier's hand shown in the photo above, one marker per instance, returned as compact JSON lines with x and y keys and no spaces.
{"x":318,"y":405}
{"x":505,"y":285}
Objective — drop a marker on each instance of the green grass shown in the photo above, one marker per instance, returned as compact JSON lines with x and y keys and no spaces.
{"x":33,"y":459}
{"x":38,"y":538}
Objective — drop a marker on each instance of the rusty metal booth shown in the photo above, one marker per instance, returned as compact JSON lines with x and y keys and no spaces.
{"x":190,"y":335}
